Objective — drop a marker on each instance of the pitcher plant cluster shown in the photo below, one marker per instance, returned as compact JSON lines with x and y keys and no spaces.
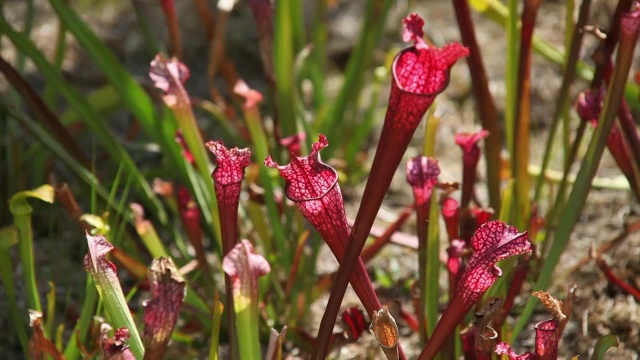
{"x":241,"y":224}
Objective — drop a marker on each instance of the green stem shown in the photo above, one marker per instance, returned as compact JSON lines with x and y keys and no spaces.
{"x":9,"y":238}
{"x":511,"y":76}
{"x":430,"y":285}
{"x":215,"y":330}
{"x":317,"y":66}
{"x":22,"y":221}
{"x":487,"y":110}
{"x":21,"y":211}
{"x":259,"y":138}
{"x":523,"y":114}
{"x":371,"y":32}
{"x":283,"y":63}
{"x":187,"y":123}
{"x":81,"y":330}
{"x":247,"y":328}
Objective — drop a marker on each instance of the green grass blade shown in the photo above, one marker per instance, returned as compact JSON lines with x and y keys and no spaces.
{"x":261,"y":149}
{"x":366,"y":125}
{"x":92,"y":118}
{"x":8,"y":239}
{"x":317,"y":65}
{"x":44,"y":137}
{"x":215,"y":331}
{"x":372,"y":30}
{"x":603,"y":345}
{"x":499,"y":13}
{"x":283,"y":63}
{"x":578,"y":196}
{"x":562,"y":103}
{"x":131,"y":93}
{"x":21,"y":211}
{"x":104,"y":100}
{"x":511,"y":76}
{"x":433,"y":267}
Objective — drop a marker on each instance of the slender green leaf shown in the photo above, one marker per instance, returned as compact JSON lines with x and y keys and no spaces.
{"x":371,"y":32}
{"x":432,"y":289}
{"x":499,"y":13}
{"x":88,"y":114}
{"x":215,"y":331}
{"x":283,"y":63}
{"x":578,"y":196}
{"x":21,"y":211}
{"x":8,"y":239}
{"x":603,"y":345}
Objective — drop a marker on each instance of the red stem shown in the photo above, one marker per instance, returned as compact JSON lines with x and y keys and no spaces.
{"x":174,"y":28}
{"x":607,"y":47}
{"x":608,"y":273}
{"x":372,"y":250}
{"x":484,"y":100}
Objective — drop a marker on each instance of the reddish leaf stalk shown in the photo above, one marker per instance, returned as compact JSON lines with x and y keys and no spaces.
{"x":66,"y":198}
{"x":604,"y":52}
{"x":227,"y":177}
{"x":455,"y":252}
{"x":372,"y":250}
{"x":484,"y":100}
{"x":297,"y":257}
{"x":630,"y":27}
{"x":523,"y":112}
{"x":355,"y":321}
{"x":493,"y":242}
{"x":630,"y":132}
{"x":169,"y":9}
{"x":468,"y":224}
{"x":313,"y":187}
{"x":611,"y":277}
{"x":263,"y":16}
{"x":162,"y":310}
{"x":410,"y":320}
{"x":470,"y":158}
{"x":420,"y":72}
{"x":217,"y":49}
{"x":133,"y":267}
{"x":39,"y":346}
{"x":518,"y":279}
{"x":588,"y":106}
{"x":190,"y":215}
{"x":422,"y":176}
{"x":451,"y":216}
